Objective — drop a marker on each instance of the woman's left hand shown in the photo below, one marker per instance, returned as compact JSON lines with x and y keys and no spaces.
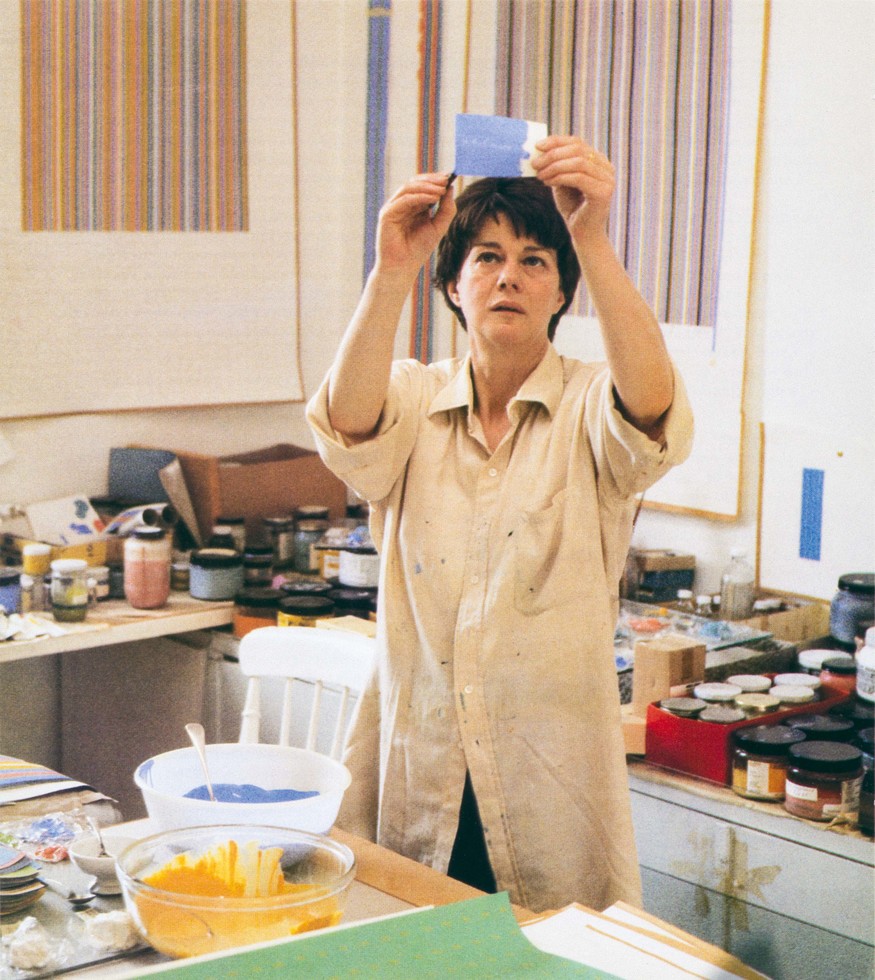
{"x":582,"y":180}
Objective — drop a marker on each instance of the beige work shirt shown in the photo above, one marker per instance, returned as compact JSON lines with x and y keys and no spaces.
{"x":498,"y":599}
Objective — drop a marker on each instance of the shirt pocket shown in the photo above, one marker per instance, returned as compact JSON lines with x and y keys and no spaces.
{"x":550,"y":556}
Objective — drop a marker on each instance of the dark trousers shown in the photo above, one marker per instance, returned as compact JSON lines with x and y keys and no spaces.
{"x":469,"y":861}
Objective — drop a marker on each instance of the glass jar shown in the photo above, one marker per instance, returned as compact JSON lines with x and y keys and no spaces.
{"x":147,"y":555}
{"x":254,"y":608}
{"x":760,"y":760}
{"x":308,"y":534}
{"x":258,"y":566}
{"x":280,"y":534}
{"x":215,"y":573}
{"x":840,"y":674}
{"x":866,"y":819}
{"x":852,"y":609}
{"x":866,"y":667}
{"x":10,"y":590}
{"x":69,"y":589}
{"x":824,"y":728}
{"x":823,"y":780}
{"x":303,"y":610}
{"x":236,"y":527}
{"x":737,"y":587}
{"x":359,"y":567}
{"x":222,"y":537}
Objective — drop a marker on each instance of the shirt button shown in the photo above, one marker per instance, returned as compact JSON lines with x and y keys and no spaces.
{"x":493,"y":471}
{"x":469,"y":689}
{"x":475,"y":579}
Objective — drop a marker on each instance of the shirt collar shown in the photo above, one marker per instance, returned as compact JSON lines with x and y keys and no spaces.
{"x":544,"y":385}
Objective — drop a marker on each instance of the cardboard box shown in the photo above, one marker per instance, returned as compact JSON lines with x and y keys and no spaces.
{"x":663,"y":663}
{"x":703,"y":748}
{"x":661,"y":573}
{"x":802,"y":620}
{"x":96,"y":551}
{"x":265,"y":483}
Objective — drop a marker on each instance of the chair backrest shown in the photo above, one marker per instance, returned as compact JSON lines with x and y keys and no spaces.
{"x":337,"y":660}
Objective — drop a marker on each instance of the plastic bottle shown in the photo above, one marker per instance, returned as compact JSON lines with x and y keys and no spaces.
{"x":866,"y":667}
{"x":737,"y":588}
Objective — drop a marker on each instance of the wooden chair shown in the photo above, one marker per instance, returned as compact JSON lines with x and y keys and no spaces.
{"x":320,"y":659}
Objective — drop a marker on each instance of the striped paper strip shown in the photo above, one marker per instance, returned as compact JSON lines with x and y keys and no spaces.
{"x":133,"y":115}
{"x":648,"y":84}
{"x":422,"y":313}
{"x":376,"y":123}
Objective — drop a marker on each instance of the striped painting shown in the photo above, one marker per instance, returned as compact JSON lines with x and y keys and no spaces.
{"x":133,"y":115}
{"x":647,"y":83}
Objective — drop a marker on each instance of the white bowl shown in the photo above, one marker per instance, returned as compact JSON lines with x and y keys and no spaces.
{"x":84,"y":854}
{"x":165,"y":779}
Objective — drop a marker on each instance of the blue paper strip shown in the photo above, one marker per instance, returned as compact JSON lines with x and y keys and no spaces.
{"x":811,"y":523}
{"x":493,"y":146}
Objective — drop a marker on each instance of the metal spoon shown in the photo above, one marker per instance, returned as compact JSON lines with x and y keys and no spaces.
{"x":199,"y":741}
{"x":77,"y":899}
{"x":102,"y":851}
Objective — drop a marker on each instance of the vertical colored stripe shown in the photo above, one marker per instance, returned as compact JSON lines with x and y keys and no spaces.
{"x":133,"y":115}
{"x":646,"y":82}
{"x":422,"y":313}
{"x":376,"y":121}
{"x":811,"y":520}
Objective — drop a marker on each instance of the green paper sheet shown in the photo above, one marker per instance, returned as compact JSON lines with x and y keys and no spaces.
{"x":476,"y":938}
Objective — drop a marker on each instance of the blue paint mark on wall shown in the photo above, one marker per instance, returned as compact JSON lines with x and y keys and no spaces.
{"x":811,"y":523}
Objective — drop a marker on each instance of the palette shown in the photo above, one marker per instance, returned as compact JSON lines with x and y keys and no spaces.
{"x":20,"y":886}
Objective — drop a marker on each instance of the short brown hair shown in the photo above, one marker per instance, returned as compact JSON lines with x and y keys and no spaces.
{"x":528,"y":205}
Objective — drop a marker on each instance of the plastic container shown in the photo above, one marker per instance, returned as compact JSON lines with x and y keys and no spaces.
{"x":254,"y":608}
{"x":303,"y":610}
{"x":359,"y":568}
{"x":148,"y":557}
{"x":69,"y":589}
{"x":760,"y":760}
{"x":737,"y":587}
{"x":823,"y":781}
{"x":840,"y":673}
{"x":215,"y":573}
{"x":36,"y":559}
{"x":866,"y":667}
{"x":852,"y":609}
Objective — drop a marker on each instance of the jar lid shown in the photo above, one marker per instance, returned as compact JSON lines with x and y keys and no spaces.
{"x":792,"y":693}
{"x":9,"y":576}
{"x":347,"y":598}
{"x":839,"y":665}
{"x":36,"y":548}
{"x":750,"y":683}
{"x":216,"y":558}
{"x":305,"y":587}
{"x":684,"y":707}
{"x":277,"y":523}
{"x":306,"y":605}
{"x":769,"y":739}
{"x":359,"y":549}
{"x":805,"y":680}
{"x":756,"y":702}
{"x":228,"y":521}
{"x":860,"y":583}
{"x":258,"y":551}
{"x":149,"y":533}
{"x":69,"y":565}
{"x":717,"y":691}
{"x":813,"y":659}
{"x":314,"y":511}
{"x":312,"y":524}
{"x":821,"y":756}
{"x":826,"y":727}
{"x":259,"y":598}
{"x":257,"y":561}
{"x":865,"y":740}
{"x":722,"y":715}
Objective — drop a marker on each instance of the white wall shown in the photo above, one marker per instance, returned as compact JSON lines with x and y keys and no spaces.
{"x":810,"y":340}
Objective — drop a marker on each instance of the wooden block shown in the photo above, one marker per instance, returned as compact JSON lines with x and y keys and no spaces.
{"x":663,"y":663}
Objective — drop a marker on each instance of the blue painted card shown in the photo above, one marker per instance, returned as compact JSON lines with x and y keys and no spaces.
{"x":495,"y":146}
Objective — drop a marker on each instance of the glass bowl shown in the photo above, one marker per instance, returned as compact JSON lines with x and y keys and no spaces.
{"x":204,"y":889}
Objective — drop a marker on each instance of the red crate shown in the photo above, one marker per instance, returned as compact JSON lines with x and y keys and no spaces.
{"x":704,"y":748}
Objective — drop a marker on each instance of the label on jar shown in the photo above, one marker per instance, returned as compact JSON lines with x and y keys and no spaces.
{"x":758,"y":777}
{"x":801,"y":792}
{"x":850,"y":801}
{"x":866,"y":682}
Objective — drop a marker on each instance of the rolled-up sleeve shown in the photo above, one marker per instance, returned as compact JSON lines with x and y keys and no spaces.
{"x":371,"y":467}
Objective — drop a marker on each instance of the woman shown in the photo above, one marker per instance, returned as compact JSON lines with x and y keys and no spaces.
{"x":502,"y":490}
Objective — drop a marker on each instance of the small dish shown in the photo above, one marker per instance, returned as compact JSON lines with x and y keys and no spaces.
{"x":84,"y":853}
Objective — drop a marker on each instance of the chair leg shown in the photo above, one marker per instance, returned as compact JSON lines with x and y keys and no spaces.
{"x":250,"y":718}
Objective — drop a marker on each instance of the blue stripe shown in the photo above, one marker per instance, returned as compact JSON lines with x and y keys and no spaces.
{"x":811,"y":523}
{"x":376,"y":123}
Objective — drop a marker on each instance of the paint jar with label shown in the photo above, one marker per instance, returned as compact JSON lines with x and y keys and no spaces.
{"x":254,"y":608}
{"x":280,"y":534}
{"x":69,"y":589}
{"x":215,"y":574}
{"x":308,"y":533}
{"x":840,"y":674}
{"x":221,"y":537}
{"x":99,"y":575}
{"x":258,"y":565}
{"x":303,"y":610}
{"x":823,"y":780}
{"x":760,"y":760}
{"x":10,"y":590}
{"x":328,"y":551}
{"x":36,"y":559}
{"x":852,"y":609}
{"x":866,"y":667}
{"x":180,"y":575}
{"x":148,"y":555}
{"x":359,"y":568}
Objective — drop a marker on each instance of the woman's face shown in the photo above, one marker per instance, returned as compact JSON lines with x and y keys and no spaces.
{"x":508,"y":287}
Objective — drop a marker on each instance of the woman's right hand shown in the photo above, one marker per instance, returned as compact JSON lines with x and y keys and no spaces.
{"x":412,"y":222}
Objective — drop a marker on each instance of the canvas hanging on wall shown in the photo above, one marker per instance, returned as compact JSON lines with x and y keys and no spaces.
{"x":148,"y":204}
